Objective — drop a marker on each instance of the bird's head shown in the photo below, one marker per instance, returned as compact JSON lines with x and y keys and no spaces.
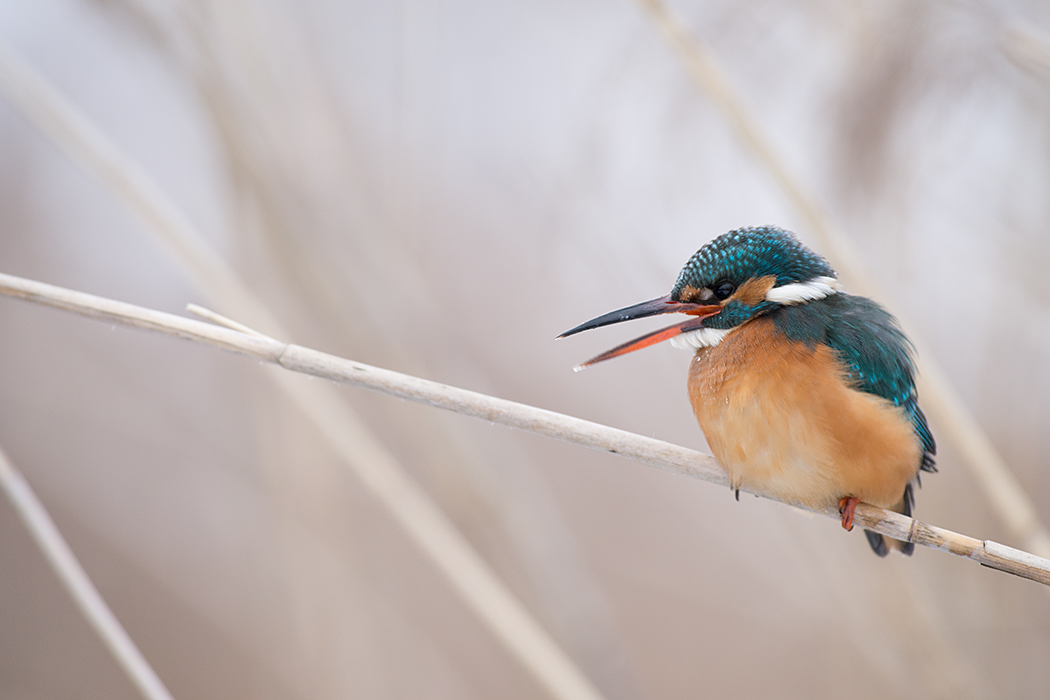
{"x":736,"y":277}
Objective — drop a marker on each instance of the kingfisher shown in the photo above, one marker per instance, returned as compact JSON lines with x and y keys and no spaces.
{"x":804,"y":392}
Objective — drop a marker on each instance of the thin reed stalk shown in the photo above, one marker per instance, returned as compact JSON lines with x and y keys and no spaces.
{"x":650,"y":451}
{"x":75,"y":580}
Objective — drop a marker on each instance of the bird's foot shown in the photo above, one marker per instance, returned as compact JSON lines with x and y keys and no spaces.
{"x":847,"y":505}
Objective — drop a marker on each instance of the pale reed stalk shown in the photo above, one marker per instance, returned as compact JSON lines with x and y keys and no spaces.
{"x":72,"y":575}
{"x":674,"y":458}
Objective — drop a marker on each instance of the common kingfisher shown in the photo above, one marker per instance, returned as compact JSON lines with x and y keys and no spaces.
{"x":803,"y":392}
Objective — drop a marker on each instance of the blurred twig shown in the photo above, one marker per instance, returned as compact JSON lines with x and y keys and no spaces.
{"x":940,"y":399}
{"x":1026,"y":45}
{"x":76,"y":581}
{"x":657,"y":453}
{"x":404,"y":499}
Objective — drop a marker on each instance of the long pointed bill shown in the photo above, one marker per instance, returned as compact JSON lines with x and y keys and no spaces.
{"x":654,"y":307}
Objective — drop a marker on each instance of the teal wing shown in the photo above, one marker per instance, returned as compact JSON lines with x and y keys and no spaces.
{"x":875,"y":351}
{"x":878,"y":359}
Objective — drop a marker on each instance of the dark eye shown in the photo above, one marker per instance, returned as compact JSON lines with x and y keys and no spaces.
{"x":723,"y":290}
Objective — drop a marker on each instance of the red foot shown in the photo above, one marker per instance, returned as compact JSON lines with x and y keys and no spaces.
{"x":846,"y":507}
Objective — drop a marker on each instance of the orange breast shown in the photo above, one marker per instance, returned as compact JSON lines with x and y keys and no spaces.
{"x":783,"y":420}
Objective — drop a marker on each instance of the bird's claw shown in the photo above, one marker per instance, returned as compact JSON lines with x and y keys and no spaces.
{"x":847,"y":505}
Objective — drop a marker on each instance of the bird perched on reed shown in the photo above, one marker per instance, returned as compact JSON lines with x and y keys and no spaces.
{"x":803,"y":392}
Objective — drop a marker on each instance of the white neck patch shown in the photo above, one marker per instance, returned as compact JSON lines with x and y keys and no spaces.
{"x":700,"y":338}
{"x":798,"y":292}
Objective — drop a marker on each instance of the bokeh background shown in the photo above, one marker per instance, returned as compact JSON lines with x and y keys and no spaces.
{"x":441,"y":188}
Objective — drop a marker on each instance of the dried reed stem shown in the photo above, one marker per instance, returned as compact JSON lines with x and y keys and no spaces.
{"x":940,"y":399}
{"x":657,"y":453}
{"x":72,"y":575}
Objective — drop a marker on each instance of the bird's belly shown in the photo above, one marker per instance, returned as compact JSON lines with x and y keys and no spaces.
{"x":782,"y":419}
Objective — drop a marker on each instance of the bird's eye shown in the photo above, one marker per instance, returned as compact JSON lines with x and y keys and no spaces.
{"x":723,"y":290}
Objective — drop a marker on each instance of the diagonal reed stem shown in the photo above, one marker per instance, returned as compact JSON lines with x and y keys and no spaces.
{"x":656,"y":453}
{"x":72,"y":575}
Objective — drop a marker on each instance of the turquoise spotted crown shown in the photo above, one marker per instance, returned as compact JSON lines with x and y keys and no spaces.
{"x":751,"y":252}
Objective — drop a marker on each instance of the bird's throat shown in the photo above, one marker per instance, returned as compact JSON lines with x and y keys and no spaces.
{"x":700,"y":338}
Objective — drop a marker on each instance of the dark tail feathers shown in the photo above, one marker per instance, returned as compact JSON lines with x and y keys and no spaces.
{"x":882,"y":545}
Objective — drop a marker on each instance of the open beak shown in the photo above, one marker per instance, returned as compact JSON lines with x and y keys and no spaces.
{"x":654,"y":307}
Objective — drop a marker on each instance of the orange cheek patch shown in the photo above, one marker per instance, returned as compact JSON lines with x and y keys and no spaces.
{"x":753,"y":292}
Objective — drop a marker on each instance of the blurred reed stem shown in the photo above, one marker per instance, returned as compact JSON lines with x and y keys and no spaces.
{"x":75,"y":580}
{"x":477,"y":584}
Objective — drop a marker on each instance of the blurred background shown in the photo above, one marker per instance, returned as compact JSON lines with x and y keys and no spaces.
{"x":441,"y":188}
